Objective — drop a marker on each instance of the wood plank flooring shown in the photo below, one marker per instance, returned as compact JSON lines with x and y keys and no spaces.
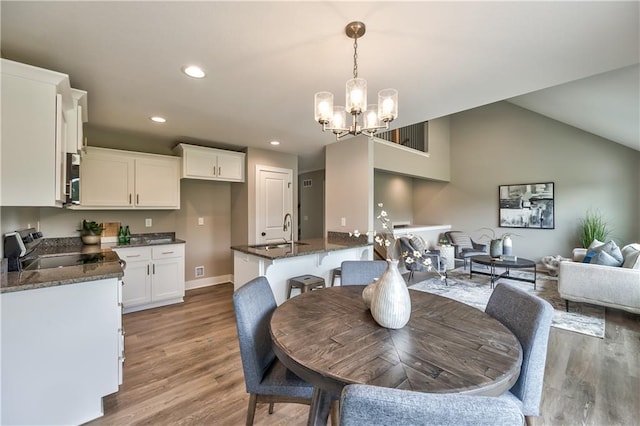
{"x":183,"y":368}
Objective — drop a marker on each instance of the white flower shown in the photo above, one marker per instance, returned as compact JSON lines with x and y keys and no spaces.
{"x":408,"y":260}
{"x":356,"y":233}
{"x":416,"y":253}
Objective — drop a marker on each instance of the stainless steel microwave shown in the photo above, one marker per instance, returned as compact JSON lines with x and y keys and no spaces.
{"x":73,"y":179}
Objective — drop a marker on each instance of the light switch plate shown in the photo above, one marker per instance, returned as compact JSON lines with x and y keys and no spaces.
{"x":201,"y":221}
{"x":148,"y":223}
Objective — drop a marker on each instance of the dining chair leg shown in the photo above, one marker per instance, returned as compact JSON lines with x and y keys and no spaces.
{"x":335,"y":413}
{"x":251,"y":411}
{"x":271,"y":408}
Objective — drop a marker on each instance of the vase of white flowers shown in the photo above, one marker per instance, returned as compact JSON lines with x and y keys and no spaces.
{"x":391,"y":303}
{"x":388,"y":298}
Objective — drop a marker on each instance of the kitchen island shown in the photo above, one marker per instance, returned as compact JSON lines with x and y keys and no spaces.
{"x":279,"y":262}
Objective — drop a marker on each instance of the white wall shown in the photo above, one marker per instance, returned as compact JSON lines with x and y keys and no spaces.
{"x":349,"y":185}
{"x":502,"y":144}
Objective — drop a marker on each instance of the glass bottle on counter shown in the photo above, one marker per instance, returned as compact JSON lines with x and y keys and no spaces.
{"x":121,"y":235}
{"x":127,"y":235}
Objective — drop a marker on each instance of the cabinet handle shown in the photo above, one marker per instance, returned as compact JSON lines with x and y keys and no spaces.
{"x":147,"y":269}
{"x":132,"y":255}
{"x":167,"y":252}
{"x":137,"y":198}
{"x":154,"y":269}
{"x":214,"y":170}
{"x":129,"y":198}
{"x":219,"y":171}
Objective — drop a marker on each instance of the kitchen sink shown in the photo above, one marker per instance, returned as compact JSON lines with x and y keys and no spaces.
{"x":271,"y":246}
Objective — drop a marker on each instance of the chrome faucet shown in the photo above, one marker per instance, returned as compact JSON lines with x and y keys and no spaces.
{"x":288,"y":226}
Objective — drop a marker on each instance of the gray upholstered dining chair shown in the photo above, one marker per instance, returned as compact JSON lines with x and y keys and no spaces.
{"x":414,"y":244}
{"x":529,"y":318}
{"x":267,"y":380}
{"x":373,"y":405}
{"x":464,"y":247}
{"x":361,"y":272}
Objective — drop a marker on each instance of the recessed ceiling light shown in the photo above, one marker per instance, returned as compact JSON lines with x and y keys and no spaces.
{"x":274,"y":143}
{"x":158,"y":119}
{"x":193,"y":71}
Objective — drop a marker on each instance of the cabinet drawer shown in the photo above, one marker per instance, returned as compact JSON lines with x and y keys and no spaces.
{"x":167,"y":251}
{"x":134,"y":254}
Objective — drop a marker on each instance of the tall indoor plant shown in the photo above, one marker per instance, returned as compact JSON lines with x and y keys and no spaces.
{"x":593,"y":227}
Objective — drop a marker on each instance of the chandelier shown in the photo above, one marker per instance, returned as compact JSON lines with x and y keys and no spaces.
{"x":365,"y":119}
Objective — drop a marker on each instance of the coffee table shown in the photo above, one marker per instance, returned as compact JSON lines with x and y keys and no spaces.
{"x":493,"y":262}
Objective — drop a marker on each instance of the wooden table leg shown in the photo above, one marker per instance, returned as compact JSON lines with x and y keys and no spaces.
{"x":320,"y":407}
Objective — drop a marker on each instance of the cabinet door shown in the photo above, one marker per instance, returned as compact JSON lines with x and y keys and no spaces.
{"x":231,"y":166}
{"x":29,"y":157}
{"x":200,"y":164}
{"x":168,"y":278}
{"x":106,"y":179}
{"x":137,"y":284}
{"x":157,"y":182}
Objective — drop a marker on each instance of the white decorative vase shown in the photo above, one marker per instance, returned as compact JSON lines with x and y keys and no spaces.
{"x":391,"y":304}
{"x":367,"y":293}
{"x":91,"y":239}
{"x":507,"y":246}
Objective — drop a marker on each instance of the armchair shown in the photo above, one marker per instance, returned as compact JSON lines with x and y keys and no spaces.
{"x":416,"y":244}
{"x":464,"y":247}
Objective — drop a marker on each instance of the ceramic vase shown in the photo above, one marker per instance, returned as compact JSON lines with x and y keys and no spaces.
{"x":391,"y":304}
{"x":91,"y":239}
{"x":495,"y":249}
{"x":367,"y":294}
{"x":507,"y":246}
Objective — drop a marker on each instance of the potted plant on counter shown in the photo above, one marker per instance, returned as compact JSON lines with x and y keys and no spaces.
{"x":90,"y":232}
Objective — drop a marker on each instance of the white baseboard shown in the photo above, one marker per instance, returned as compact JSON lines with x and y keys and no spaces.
{"x":209,"y":281}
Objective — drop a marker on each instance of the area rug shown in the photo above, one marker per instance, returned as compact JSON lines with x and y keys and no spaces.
{"x":581,"y":318}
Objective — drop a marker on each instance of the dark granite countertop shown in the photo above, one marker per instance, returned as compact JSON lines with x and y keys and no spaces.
{"x":40,"y":278}
{"x":303,"y":247}
{"x":109,"y":267}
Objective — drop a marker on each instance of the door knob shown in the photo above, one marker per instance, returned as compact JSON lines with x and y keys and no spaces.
{"x":264,"y":234}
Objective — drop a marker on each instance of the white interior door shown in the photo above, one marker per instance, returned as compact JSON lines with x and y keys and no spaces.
{"x":274,"y":200}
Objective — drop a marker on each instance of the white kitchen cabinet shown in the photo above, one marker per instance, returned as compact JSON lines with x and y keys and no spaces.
{"x":61,"y":352}
{"x":211,"y":164}
{"x":34,"y":128}
{"x":76,"y":117}
{"x":154,"y":276}
{"x":112,"y":179}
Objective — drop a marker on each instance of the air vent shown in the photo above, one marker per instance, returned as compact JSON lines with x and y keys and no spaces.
{"x":199,"y":271}
{"x":306,"y":183}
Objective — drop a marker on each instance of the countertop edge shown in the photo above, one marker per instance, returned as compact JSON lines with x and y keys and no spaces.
{"x":310,"y":247}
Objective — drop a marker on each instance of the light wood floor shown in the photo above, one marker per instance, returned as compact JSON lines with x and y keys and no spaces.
{"x":183,"y":367}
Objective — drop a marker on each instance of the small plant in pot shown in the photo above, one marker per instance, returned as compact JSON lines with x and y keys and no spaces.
{"x":90,"y":232}
{"x":594,"y":227}
{"x":499,"y":245}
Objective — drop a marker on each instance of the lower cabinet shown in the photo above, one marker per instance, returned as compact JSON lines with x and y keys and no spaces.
{"x":62,"y":352}
{"x":154,"y":276}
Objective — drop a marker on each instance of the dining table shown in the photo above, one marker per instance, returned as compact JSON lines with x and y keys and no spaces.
{"x":329,"y":338}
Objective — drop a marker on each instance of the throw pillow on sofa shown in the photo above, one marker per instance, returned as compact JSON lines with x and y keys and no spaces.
{"x":608,"y":254}
{"x":631,"y":254}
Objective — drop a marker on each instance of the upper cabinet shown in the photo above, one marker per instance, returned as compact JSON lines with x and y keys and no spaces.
{"x":76,"y":117}
{"x":36,"y":104}
{"x":211,"y":164}
{"x":113,"y":179}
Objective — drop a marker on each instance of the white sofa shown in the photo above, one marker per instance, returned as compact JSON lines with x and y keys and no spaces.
{"x":615,"y":287}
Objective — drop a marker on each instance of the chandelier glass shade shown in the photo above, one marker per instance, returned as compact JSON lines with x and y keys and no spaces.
{"x":366,"y":118}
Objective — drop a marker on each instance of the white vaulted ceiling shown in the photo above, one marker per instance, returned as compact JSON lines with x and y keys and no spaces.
{"x":265,"y":60}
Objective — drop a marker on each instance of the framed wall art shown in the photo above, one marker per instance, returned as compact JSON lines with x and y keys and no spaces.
{"x":529,"y":205}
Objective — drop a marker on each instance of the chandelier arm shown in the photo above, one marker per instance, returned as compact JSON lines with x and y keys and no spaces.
{"x":355,"y":58}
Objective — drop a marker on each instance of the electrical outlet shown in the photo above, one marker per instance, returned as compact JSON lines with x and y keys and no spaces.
{"x":199,"y":271}
{"x":148,"y":223}
{"x":201,"y":221}
{"x":343,"y":221}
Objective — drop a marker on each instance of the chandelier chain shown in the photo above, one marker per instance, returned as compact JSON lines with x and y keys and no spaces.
{"x":355,"y":58}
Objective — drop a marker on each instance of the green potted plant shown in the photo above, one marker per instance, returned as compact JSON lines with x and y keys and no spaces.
{"x":593,"y":227}
{"x":90,"y":232}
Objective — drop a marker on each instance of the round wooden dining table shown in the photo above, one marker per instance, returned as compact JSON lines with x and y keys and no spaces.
{"x":329,"y":338}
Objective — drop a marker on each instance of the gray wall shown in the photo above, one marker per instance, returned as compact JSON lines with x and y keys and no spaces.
{"x":395,"y":192}
{"x":503,"y":144}
{"x":311,"y":200}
